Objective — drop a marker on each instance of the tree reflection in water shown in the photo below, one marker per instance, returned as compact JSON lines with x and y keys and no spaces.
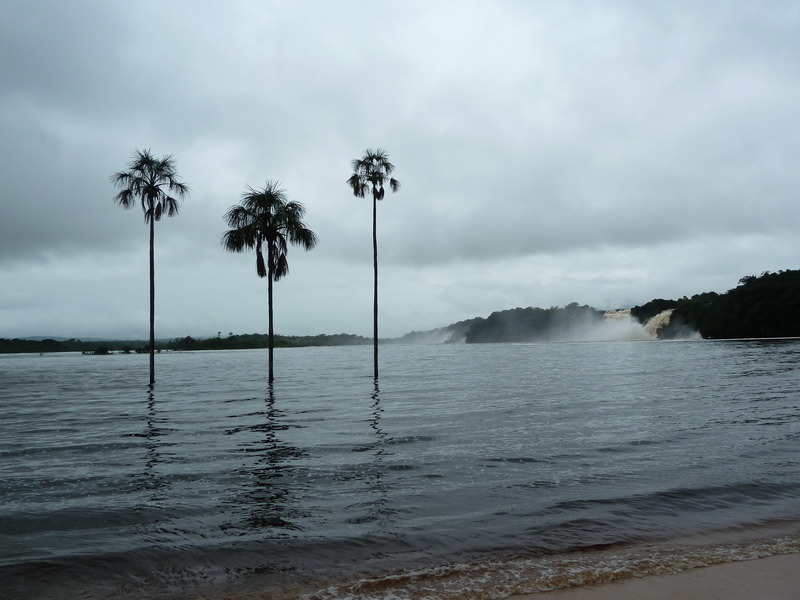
{"x":269,"y":495}
{"x":378,"y":489}
{"x":151,"y":478}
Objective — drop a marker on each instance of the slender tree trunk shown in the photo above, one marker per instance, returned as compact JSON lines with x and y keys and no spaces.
{"x":271,"y":335}
{"x":375,"y":293}
{"x":152,"y":305}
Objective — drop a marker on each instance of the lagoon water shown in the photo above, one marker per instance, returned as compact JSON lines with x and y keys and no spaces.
{"x":468,"y":471}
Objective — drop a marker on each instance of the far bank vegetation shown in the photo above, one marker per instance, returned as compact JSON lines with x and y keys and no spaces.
{"x":764,"y":306}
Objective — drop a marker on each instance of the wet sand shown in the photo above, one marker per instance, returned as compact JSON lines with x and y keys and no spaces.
{"x":771,"y":578}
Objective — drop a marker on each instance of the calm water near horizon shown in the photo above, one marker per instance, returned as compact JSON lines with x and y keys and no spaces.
{"x":468,"y":471}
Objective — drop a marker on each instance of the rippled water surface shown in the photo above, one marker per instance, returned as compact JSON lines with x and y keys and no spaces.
{"x":461,"y":456}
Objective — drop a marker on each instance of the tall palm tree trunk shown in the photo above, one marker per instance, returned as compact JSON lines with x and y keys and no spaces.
{"x":375,"y":293}
{"x":271,"y":334}
{"x":152,"y":305}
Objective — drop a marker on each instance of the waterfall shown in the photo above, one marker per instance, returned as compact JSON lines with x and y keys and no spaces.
{"x":629,"y":328}
{"x":658,"y":321}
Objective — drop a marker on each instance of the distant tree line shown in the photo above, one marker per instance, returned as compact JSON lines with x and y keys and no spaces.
{"x":17,"y":345}
{"x":764,"y":306}
{"x":260,"y":340}
{"x":232,"y":342}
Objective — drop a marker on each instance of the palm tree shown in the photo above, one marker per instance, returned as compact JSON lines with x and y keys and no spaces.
{"x":372,"y":171}
{"x":266,"y":218}
{"x":150,"y":180}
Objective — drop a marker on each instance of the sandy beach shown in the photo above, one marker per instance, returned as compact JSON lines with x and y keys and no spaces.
{"x":771,"y":578}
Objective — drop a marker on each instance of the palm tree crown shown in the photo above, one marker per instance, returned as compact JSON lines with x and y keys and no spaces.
{"x":266,"y":217}
{"x":372,"y":171}
{"x":148,"y":179}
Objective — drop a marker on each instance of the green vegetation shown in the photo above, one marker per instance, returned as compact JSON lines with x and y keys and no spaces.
{"x":759,"y":307}
{"x":531,"y":324}
{"x":260,"y":340}
{"x":232,"y":342}
{"x":16,"y":345}
{"x":371,"y":172}
{"x":148,"y":179}
{"x":266,"y":218}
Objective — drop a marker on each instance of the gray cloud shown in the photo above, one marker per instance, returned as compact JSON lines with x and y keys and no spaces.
{"x":549,"y":153}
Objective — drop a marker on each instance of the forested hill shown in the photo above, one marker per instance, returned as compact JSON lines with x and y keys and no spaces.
{"x":534,"y":324}
{"x":766,"y":306}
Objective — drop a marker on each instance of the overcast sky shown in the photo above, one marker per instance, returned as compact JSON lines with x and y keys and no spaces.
{"x":605,"y":153}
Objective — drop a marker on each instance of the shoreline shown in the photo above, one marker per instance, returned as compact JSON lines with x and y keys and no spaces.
{"x":756,"y":563}
{"x":726,"y":565}
{"x":768,"y":578}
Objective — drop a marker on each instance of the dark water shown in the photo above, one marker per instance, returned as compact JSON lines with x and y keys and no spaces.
{"x":468,"y":471}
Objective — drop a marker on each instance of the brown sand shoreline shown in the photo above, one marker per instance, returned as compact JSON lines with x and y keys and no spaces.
{"x":770,"y":578}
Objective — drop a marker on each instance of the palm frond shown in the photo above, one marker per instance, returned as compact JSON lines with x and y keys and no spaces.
{"x":238,"y":217}
{"x":281,"y":267}
{"x":276,"y":240}
{"x":149,"y":211}
{"x":380,"y":160}
{"x":125,"y":198}
{"x":261,"y":268}
{"x":178,"y":188}
{"x":170,"y":206}
{"x":305,"y":238}
{"x":238,"y":240}
{"x":357,"y":184}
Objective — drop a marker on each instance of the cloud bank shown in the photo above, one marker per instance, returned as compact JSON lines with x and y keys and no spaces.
{"x":605,"y":154}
